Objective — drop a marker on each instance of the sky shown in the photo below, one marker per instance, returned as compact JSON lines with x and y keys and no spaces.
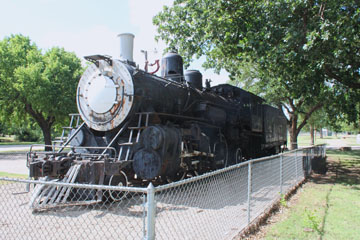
{"x":89,"y":27}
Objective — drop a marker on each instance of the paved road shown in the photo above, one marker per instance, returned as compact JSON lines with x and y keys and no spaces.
{"x":13,"y":158}
{"x":16,"y":148}
{"x":13,"y":163}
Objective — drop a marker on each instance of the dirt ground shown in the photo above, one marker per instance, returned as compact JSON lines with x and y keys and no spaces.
{"x":214,"y":208}
{"x":206,"y":210}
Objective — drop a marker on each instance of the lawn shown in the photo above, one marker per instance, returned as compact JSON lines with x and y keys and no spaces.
{"x":13,"y":175}
{"x":327,"y":206}
{"x":12,"y":141}
{"x":343,"y":140}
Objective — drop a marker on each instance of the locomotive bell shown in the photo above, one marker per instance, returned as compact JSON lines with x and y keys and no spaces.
{"x":172,"y":67}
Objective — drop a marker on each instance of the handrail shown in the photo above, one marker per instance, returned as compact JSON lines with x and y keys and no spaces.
{"x":71,"y":138}
{"x":114,"y":138}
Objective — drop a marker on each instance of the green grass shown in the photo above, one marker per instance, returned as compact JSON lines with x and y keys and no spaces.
{"x":12,"y":175}
{"x":328,"y":206}
{"x":19,"y":143}
{"x":346,"y":140}
{"x":12,"y":141}
{"x":304,"y":140}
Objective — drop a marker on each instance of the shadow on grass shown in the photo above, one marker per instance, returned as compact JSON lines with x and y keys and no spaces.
{"x":344,"y":169}
{"x":346,"y":166}
{"x":322,"y":230}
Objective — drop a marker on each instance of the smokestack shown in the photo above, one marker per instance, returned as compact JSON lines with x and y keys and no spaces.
{"x":126,"y":46}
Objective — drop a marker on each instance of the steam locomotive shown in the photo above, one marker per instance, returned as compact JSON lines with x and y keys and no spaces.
{"x":139,"y":127}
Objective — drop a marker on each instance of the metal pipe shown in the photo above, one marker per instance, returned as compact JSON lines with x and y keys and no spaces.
{"x":281,"y":173}
{"x":296,"y":168}
{"x":71,"y":138}
{"x":249,"y":192}
{"x":144,"y":215}
{"x":113,"y":140}
{"x":151,"y":211}
{"x":77,"y":185}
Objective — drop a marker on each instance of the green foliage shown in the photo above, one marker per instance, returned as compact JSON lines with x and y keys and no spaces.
{"x":28,"y":135}
{"x":313,"y":221}
{"x":26,"y":132}
{"x":283,"y":201}
{"x":42,"y":86}
{"x":299,"y":55}
{"x":318,"y":120}
{"x":3,"y":129}
{"x":309,"y":38}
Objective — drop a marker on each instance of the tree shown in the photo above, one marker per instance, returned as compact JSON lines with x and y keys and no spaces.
{"x":298,"y":99}
{"x":301,"y":55}
{"x":317,"y":121}
{"x":42,"y":86}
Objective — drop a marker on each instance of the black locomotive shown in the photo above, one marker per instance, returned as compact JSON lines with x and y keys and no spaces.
{"x":139,"y":127}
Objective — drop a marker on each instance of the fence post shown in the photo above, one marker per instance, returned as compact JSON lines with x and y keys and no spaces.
{"x":151,"y":211}
{"x":310,"y":158}
{"x":249,"y":190}
{"x":296,"y":167}
{"x":281,"y":172}
{"x":144,"y":216}
{"x":308,"y":162}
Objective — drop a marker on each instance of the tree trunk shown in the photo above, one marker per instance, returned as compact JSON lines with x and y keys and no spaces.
{"x":293,"y":141}
{"x":294,"y":129}
{"x":312,"y":142}
{"x":321,"y":133}
{"x":45,"y":124}
{"x":46,"y":130}
{"x":293,"y":133}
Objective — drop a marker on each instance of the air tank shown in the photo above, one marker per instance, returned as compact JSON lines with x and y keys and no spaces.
{"x":194,"y":78}
{"x":172,"y":67}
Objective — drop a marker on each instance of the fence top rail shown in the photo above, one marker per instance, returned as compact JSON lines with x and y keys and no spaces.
{"x":158,"y":188}
{"x":309,"y":147}
{"x":216,"y":172}
{"x":239,"y":165}
{"x":77,"y":185}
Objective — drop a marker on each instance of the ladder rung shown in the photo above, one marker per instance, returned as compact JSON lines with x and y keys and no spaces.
{"x":126,"y":144}
{"x":136,"y":128}
{"x":67,"y":127}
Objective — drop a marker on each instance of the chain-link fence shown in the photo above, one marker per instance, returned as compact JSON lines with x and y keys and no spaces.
{"x":216,"y":205}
